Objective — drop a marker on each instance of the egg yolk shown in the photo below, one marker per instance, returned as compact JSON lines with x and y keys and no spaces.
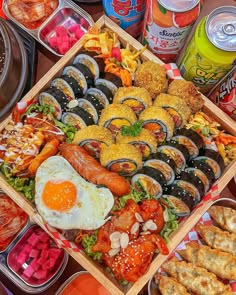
{"x":59,"y":196}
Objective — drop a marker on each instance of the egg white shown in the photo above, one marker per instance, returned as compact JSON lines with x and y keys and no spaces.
{"x":92,"y":203}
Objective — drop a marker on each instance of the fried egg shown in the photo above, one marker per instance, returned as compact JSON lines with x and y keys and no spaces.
{"x":65,"y":200}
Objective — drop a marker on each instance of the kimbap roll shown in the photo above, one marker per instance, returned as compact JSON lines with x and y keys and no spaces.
{"x":190,"y":139}
{"x":137,"y":98}
{"x":145,"y":141}
{"x":201,"y":175}
{"x":89,"y":107}
{"x":122,"y":158}
{"x":106,"y":91}
{"x":115,"y":116}
{"x":86,"y":72}
{"x":205,"y":168}
{"x":69,"y":86}
{"x":56,"y":98}
{"x":99,"y":95}
{"x":189,"y":187}
{"x":108,"y":84}
{"x":158,"y":121}
{"x":92,"y":138}
{"x":77,"y":75}
{"x":164,"y":164}
{"x":77,"y":117}
{"x":149,"y":181}
{"x":90,"y":62}
{"x":178,"y":152}
{"x":114,"y":79}
{"x":175,"y":106}
{"x":213,"y":159}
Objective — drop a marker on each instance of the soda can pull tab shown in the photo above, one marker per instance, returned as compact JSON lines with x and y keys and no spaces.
{"x":229,"y":29}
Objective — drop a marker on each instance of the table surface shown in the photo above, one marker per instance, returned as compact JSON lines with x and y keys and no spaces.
{"x":47,"y":60}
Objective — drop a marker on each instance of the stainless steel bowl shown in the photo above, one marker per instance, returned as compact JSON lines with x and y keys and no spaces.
{"x":14,"y":68}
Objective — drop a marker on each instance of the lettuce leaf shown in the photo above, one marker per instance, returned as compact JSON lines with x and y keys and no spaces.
{"x":87,"y":242}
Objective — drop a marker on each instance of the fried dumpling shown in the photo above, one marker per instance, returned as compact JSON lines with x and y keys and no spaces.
{"x":170,"y":286}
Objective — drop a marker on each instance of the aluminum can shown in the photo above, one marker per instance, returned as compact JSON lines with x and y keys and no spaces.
{"x":224,"y":94}
{"x":167,"y":24}
{"x":128,"y":14}
{"x":211,"y":53}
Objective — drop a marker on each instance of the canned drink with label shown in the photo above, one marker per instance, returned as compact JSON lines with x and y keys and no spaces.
{"x":211,"y":53}
{"x":167,"y":24}
{"x":128,"y":14}
{"x":224,"y":94}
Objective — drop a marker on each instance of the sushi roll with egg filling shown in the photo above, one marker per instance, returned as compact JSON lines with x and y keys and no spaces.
{"x":89,"y":62}
{"x":164,"y":164}
{"x":194,"y":180}
{"x":99,"y":95}
{"x":145,"y":141}
{"x":77,"y":75}
{"x":178,"y":152}
{"x":92,"y":138}
{"x":95,"y":102}
{"x":190,"y":139}
{"x":69,"y":86}
{"x":115,"y":116}
{"x":149,"y":181}
{"x":213,"y":159}
{"x":77,"y":117}
{"x":175,"y":106}
{"x":159,"y":122}
{"x":122,"y":158}
{"x":86,"y":72}
{"x":106,"y":91}
{"x":114,"y":79}
{"x":202,"y":176}
{"x":55,"y":98}
{"x":189,"y":187}
{"x":180,"y":200}
{"x":137,"y":98}
{"x":108,"y":84}
{"x":205,"y":168}
{"x":88,"y":107}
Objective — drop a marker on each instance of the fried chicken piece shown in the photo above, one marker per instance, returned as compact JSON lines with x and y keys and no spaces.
{"x":170,"y":286}
{"x":187,"y":91}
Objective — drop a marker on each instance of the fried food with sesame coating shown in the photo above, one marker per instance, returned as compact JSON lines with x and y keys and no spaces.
{"x":187,"y":91}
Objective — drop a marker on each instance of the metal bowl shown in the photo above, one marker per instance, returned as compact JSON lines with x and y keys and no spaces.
{"x":13,"y":68}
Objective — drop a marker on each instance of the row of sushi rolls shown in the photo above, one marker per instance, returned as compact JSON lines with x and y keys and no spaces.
{"x":113,"y":153}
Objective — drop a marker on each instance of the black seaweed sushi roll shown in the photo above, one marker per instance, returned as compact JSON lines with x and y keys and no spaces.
{"x":77,"y":117}
{"x":193,"y":179}
{"x":164,"y":164}
{"x":204,"y":167}
{"x":110,"y":85}
{"x":69,"y":86}
{"x":189,"y":187}
{"x":202,"y":176}
{"x":149,"y":181}
{"x":77,"y":75}
{"x":99,"y":95}
{"x":56,"y":98}
{"x":106,"y":91}
{"x":190,"y":139}
{"x":95,"y":102}
{"x":178,"y":153}
{"x":114,"y":79}
{"x":86,"y":72}
{"x":213,"y":159}
{"x":88,"y":60}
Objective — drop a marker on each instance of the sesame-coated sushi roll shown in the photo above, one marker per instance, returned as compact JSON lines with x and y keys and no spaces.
{"x":137,"y":98}
{"x":86,"y":72}
{"x":190,"y":139}
{"x":99,"y":95}
{"x":115,"y":116}
{"x":114,"y":79}
{"x":201,"y":175}
{"x":106,"y":91}
{"x":189,"y":187}
{"x":158,"y":121}
{"x":92,"y":138}
{"x":69,"y":86}
{"x":178,"y":152}
{"x":145,"y":141}
{"x":122,"y":158}
{"x":110,"y":85}
{"x":176,"y":107}
{"x":55,"y":98}
{"x":149,"y":181}
{"x":77,"y":117}
{"x":164,"y":164}
{"x":88,"y":61}
{"x":77,"y":75}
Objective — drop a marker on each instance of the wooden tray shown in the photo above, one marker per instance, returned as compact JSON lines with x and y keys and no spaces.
{"x":94,"y":268}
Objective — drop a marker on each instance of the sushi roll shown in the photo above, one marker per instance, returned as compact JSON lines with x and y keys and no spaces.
{"x":194,"y":180}
{"x":77,"y":75}
{"x":69,"y":86}
{"x":180,"y":200}
{"x":88,"y":107}
{"x":77,"y":117}
{"x":106,"y":91}
{"x":213,"y":159}
{"x":56,"y":98}
{"x":178,"y":152}
{"x":158,"y":121}
{"x":92,"y":138}
{"x":88,"y":75}
{"x":164,"y":164}
{"x":175,"y":106}
{"x":145,"y":141}
{"x":115,"y":116}
{"x":108,"y":84}
{"x":122,"y":158}
{"x":114,"y":79}
{"x":88,"y":61}
{"x":149,"y":181}
{"x":137,"y":98}
{"x":99,"y":95}
{"x":189,"y":187}
{"x":201,"y":175}
{"x":190,"y":139}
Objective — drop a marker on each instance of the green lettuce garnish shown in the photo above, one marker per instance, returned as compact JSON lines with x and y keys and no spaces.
{"x":132,"y":130}
{"x":87,"y":242}
{"x":171,"y":223}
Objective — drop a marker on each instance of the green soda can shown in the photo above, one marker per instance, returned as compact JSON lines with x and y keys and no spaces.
{"x":211,"y":52}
